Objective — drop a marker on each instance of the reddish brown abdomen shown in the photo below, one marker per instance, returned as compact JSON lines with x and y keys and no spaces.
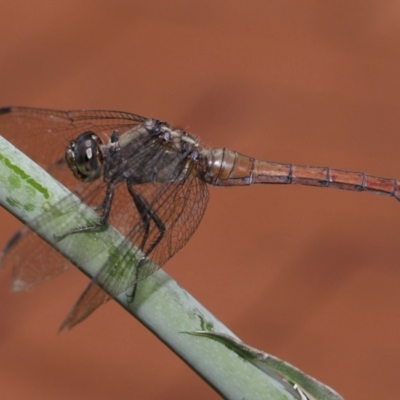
{"x":225,"y":167}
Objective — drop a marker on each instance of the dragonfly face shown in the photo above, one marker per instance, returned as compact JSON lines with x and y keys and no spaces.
{"x":84,"y":157}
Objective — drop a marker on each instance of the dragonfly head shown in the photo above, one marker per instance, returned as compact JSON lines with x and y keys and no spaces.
{"x":84,"y":157}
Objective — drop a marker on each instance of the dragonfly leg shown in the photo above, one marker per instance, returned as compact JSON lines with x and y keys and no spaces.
{"x":105,"y":207}
{"x":147,"y":214}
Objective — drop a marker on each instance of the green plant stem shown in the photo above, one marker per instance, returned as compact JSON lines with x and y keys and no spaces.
{"x":27,"y":191}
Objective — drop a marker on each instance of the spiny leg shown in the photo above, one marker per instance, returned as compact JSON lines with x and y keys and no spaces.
{"x":105,"y":207}
{"x":146,"y":214}
{"x":138,"y":200}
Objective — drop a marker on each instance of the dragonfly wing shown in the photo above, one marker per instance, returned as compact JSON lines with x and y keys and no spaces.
{"x":171,"y":208}
{"x":180,"y":206}
{"x":43,"y":134}
{"x":32,"y":260}
{"x":92,"y":298}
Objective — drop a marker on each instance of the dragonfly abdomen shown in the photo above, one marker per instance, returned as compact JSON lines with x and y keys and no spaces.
{"x":230,"y":168}
{"x":270,"y":172}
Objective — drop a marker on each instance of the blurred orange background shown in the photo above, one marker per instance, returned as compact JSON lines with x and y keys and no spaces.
{"x":309,"y":275}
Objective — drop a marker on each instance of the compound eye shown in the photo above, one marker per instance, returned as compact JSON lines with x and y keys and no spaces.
{"x":84,"y":157}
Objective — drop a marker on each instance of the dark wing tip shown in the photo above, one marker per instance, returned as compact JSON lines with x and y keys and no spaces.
{"x":5,"y":110}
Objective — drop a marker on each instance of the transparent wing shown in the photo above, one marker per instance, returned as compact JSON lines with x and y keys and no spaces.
{"x":92,"y":298}
{"x":24,"y":254}
{"x":169,"y":211}
{"x":43,"y":135}
{"x":178,"y":204}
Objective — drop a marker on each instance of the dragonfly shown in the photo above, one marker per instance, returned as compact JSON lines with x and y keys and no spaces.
{"x":146,"y":178}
